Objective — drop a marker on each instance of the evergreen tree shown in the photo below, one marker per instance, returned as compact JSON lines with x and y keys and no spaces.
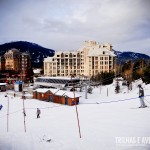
{"x":138,"y":69}
{"x":104,"y":78}
{"x":146,"y":75}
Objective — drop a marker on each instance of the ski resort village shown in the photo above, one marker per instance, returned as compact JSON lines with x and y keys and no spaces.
{"x":80,"y":100}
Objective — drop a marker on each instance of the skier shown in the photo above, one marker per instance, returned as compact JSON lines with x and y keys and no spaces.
{"x":141,"y":96}
{"x":1,"y":106}
{"x":38,"y":113}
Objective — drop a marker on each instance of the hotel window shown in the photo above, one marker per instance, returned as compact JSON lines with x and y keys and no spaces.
{"x":96,"y":58}
{"x":70,"y":55}
{"x":62,"y":55}
{"x":101,"y":62}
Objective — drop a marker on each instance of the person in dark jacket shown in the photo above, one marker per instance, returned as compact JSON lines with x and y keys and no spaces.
{"x":141,"y":96}
{"x":1,"y":106}
{"x":38,"y":112}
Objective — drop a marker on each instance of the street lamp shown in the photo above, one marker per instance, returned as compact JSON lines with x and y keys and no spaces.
{"x":7,"y":112}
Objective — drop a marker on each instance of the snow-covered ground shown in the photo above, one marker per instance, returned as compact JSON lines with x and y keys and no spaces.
{"x":107,"y":122}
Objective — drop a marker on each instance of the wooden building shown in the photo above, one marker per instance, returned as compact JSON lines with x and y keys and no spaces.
{"x":56,"y":96}
{"x":41,"y":94}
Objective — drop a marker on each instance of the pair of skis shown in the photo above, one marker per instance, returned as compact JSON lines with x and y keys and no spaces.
{"x":45,"y":138}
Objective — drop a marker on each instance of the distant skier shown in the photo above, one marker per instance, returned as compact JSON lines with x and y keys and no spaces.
{"x":1,"y":106}
{"x":38,"y":112}
{"x":141,"y":96}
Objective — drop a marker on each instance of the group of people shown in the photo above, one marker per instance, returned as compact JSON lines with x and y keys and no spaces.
{"x":38,"y":112}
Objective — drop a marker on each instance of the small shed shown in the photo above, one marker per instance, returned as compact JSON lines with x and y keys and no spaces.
{"x":71,"y":98}
{"x":65,"y":97}
{"x":56,"y":96}
{"x":3,"y":87}
{"x":18,"y":86}
{"x":41,"y":94}
{"x":52,"y":94}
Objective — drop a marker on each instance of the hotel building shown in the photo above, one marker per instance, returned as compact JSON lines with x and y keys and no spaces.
{"x":91,"y":59}
{"x":14,"y":60}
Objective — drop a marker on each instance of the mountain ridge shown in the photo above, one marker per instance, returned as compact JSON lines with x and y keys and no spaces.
{"x":125,"y":56}
{"x":37,"y":52}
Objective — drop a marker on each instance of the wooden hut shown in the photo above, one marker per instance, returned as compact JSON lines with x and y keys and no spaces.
{"x":59,"y":97}
{"x":41,"y":94}
{"x":71,"y":98}
{"x":34,"y":94}
{"x":56,"y":96}
{"x":65,"y":97}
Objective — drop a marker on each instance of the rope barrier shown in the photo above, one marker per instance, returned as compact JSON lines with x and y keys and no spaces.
{"x":30,"y":108}
{"x":114,"y":101}
{"x":80,"y":103}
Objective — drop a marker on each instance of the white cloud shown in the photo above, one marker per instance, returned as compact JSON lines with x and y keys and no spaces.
{"x":65,"y":24}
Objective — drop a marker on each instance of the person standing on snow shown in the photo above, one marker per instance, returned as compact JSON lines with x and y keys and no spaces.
{"x":141,"y":96}
{"x":38,"y":112}
{"x":1,"y":106}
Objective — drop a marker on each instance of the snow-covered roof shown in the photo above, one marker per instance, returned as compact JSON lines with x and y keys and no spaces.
{"x":59,"y":77}
{"x":71,"y":94}
{"x":49,"y":59}
{"x":100,"y":51}
{"x":60,"y":92}
{"x":3,"y":83}
{"x":37,"y":70}
{"x":64,"y":93}
{"x":53,"y":90}
{"x":44,"y":90}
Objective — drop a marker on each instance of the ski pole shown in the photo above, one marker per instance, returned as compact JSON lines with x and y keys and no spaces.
{"x":147,"y":101}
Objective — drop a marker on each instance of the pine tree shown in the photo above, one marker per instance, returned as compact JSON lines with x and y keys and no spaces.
{"x":146,"y":75}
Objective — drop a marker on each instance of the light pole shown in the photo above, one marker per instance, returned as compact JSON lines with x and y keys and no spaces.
{"x":7,"y":112}
{"x":76,"y":106}
{"x":24,"y":113}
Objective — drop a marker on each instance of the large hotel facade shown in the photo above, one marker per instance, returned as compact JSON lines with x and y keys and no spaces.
{"x":14,"y":60}
{"x":91,"y":59}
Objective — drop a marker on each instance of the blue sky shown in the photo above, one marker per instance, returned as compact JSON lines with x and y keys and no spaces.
{"x":66,"y":24}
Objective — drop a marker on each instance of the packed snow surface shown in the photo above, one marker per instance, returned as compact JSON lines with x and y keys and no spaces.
{"x":104,"y":116}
